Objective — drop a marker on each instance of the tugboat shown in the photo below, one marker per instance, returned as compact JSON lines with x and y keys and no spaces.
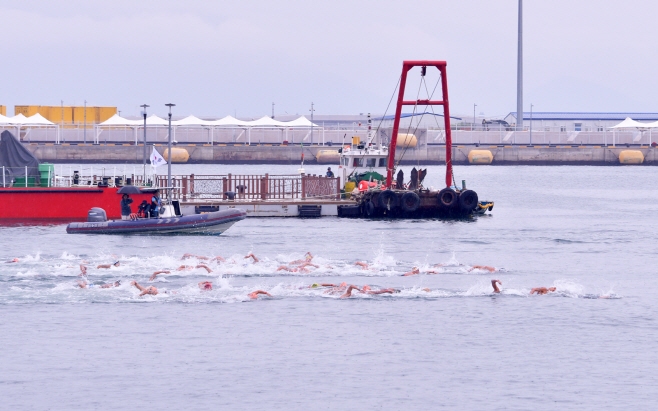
{"x":366,"y":165}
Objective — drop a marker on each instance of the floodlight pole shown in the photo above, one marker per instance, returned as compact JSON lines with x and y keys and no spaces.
{"x":474,"y":105}
{"x":169,"y":159}
{"x":85,"y":132}
{"x":144,"y":106}
{"x":519,"y":73}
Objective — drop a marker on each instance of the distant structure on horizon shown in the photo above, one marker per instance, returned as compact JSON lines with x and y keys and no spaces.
{"x":576,"y":121}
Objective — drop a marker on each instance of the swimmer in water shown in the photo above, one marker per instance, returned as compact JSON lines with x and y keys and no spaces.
{"x":254,"y":295}
{"x":482,"y":267}
{"x":204,"y":266}
{"x":116,"y":264}
{"x":198,"y":257}
{"x":366,"y":290}
{"x":218,"y":258}
{"x":414,"y":271}
{"x":84,"y":284}
{"x":293,"y":270}
{"x":15,"y":260}
{"x":205,"y":285}
{"x":363,"y":266}
{"x":252,"y":256}
{"x":308,"y":257}
{"x":337,"y":289}
{"x":145,"y":290}
{"x":155,"y":274}
{"x":542,"y":290}
{"x":184,"y":267}
{"x":83,"y":271}
{"x":495,"y":286}
{"x":306,"y":264}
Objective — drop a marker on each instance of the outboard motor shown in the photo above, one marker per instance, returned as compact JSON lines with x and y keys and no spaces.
{"x":96,"y":215}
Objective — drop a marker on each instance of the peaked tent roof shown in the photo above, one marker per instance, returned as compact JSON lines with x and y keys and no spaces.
{"x":266,"y":121}
{"x":229,"y":121}
{"x":300,"y":122}
{"x":191,"y":121}
{"x":17,"y":119}
{"x":630,"y":123}
{"x":38,"y":119}
{"x":156,"y":121}
{"x":117,"y":120}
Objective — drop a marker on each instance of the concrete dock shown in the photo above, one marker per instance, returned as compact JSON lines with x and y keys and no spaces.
{"x":273,"y":154}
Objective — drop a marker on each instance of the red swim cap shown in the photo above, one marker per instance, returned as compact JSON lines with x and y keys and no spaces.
{"x":207,"y":286}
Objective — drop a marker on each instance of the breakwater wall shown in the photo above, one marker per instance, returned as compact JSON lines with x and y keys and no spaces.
{"x":261,"y":154}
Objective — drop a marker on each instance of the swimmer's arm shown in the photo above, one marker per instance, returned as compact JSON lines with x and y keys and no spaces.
{"x":204,"y":266}
{"x":155,"y":274}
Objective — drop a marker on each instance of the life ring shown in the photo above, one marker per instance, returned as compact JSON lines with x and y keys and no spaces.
{"x":369,"y":208}
{"x":410,"y":202}
{"x":468,"y":200}
{"x":447,"y":197}
{"x":387,"y":200}
{"x":365,"y":185}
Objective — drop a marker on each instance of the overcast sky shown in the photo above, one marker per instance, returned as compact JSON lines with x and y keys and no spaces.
{"x":214,"y":58}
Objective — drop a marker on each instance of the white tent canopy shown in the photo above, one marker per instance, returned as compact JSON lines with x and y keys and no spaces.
{"x":38,"y":120}
{"x":266,"y":122}
{"x":300,"y":122}
{"x":630,"y":123}
{"x":229,"y":121}
{"x":191,"y":121}
{"x":118,"y":121}
{"x":156,"y":121}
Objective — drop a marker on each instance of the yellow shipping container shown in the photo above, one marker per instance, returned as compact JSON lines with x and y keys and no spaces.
{"x":106,"y":113}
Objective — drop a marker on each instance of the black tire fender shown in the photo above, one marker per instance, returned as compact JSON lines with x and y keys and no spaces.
{"x":468,"y":200}
{"x":387,"y":200}
{"x":448,"y":197}
{"x":410,"y":202}
{"x":369,"y":208}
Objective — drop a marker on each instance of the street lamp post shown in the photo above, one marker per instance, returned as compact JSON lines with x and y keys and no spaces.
{"x":531,"y":105}
{"x":170,"y":105}
{"x":144,"y":106}
{"x":312,"y":110}
{"x":85,"y":132}
{"x":474,"y":105}
{"x":272,"y":110}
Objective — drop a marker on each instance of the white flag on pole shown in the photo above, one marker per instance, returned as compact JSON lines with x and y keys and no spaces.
{"x":157,"y":159}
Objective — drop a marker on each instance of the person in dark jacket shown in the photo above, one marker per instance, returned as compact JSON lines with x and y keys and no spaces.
{"x":156,"y":204}
{"x":125,"y":207}
{"x":330,"y":173}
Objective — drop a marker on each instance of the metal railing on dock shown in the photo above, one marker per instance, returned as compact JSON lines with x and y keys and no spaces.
{"x":204,"y":188}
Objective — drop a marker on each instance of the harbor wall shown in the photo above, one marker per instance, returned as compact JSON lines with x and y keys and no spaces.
{"x":425,"y":155}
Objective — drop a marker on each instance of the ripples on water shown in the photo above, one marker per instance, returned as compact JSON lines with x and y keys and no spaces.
{"x":588,"y":231}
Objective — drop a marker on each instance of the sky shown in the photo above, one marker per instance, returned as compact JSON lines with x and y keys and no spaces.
{"x":214,"y":58}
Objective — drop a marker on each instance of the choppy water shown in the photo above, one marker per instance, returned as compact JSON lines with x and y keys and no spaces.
{"x":589,"y":231}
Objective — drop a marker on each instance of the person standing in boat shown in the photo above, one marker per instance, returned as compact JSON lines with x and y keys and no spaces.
{"x":330,"y":173}
{"x":156,"y":203}
{"x":125,"y":207}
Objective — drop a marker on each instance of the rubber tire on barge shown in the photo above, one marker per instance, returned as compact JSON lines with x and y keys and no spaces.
{"x":446,"y":203}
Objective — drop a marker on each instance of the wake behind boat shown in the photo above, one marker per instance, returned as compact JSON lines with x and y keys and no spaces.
{"x":213,"y":223}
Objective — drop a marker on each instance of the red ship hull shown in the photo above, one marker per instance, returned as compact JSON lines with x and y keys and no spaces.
{"x":62,"y":203}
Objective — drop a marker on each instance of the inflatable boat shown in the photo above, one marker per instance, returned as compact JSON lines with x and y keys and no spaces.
{"x":213,"y":223}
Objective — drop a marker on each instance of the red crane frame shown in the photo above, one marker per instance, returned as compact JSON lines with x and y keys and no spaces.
{"x":406,"y":66}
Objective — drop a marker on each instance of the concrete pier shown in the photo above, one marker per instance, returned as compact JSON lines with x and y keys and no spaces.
{"x":265,"y":154}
